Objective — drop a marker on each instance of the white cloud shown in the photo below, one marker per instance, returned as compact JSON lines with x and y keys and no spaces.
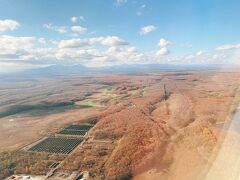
{"x":132,"y":49}
{"x":113,"y":41}
{"x":82,"y":51}
{"x":143,"y":6}
{"x":75,"y":19}
{"x":24,"y":49}
{"x":228,"y":47}
{"x":43,"y":53}
{"x":42,"y":40}
{"x":74,"y":43}
{"x":162,"y":52}
{"x":218,"y":56}
{"x":78,"y":42}
{"x":78,"y":29}
{"x":204,"y":57}
{"x":200,"y":53}
{"x":123,"y":55}
{"x":147,"y":29}
{"x":8,"y":24}
{"x":15,"y":45}
{"x":98,"y":51}
{"x":79,"y":54}
{"x":60,"y":29}
{"x":93,"y":57}
{"x":234,"y":58}
{"x":189,"y":57}
{"x":227,"y":53}
{"x":163,"y":42}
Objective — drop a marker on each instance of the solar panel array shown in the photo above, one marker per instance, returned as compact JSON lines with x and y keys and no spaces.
{"x":75,"y":129}
{"x":73,"y":132}
{"x":79,"y":127}
{"x":64,"y":144}
{"x":57,"y":145}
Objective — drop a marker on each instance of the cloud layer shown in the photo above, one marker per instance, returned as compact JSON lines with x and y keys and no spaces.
{"x":77,"y":45}
{"x":95,"y":51}
{"x":228,"y":47}
{"x":79,"y":29}
{"x":8,"y":24}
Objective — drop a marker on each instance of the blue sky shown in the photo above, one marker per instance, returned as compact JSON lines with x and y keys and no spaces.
{"x":109,"y":32}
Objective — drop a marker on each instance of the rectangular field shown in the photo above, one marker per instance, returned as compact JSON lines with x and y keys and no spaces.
{"x":57,"y":145}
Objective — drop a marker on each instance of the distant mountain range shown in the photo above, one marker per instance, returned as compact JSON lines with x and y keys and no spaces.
{"x":55,"y":70}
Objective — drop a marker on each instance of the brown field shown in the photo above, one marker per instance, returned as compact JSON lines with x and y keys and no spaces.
{"x":162,"y":125}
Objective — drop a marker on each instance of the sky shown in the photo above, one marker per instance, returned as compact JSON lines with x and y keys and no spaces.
{"x":39,"y":33}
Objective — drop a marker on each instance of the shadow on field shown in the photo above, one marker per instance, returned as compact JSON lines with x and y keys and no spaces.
{"x":43,"y":108}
